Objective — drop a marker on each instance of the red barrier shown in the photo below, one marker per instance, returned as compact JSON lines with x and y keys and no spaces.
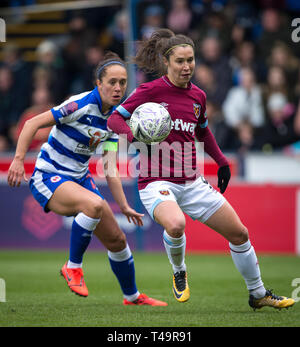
{"x":268,"y":211}
{"x":210,"y":167}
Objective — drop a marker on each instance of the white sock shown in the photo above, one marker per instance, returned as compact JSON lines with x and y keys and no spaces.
{"x":131,"y":297}
{"x":245,"y":260}
{"x":119,"y":257}
{"x":72,"y":265}
{"x":175,"y":248}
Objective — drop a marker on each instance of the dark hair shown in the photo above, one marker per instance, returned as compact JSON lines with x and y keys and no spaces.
{"x":110,"y":58}
{"x":160,"y":44}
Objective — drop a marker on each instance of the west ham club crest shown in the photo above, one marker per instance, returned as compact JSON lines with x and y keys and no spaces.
{"x":197,"y":109}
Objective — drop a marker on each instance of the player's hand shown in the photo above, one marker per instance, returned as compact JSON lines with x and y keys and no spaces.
{"x":16,"y":173}
{"x":133,"y":216}
{"x":223,"y":178}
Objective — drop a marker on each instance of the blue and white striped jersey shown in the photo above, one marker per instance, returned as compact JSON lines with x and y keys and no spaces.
{"x":79,"y":131}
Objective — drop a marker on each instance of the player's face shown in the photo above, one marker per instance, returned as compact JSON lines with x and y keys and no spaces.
{"x":181,"y":66}
{"x":113,"y":85}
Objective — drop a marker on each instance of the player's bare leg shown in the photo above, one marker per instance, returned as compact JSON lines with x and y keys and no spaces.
{"x":72,"y":199}
{"x":121,"y":259}
{"x":226,"y":222}
{"x":171,"y":217}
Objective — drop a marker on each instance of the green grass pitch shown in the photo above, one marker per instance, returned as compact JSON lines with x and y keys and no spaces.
{"x":37,"y":296}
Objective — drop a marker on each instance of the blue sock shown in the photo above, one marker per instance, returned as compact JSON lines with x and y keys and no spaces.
{"x":81,"y":234}
{"x":122,"y":265}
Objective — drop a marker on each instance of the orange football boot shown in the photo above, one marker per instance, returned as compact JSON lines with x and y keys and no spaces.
{"x":74,"y":278}
{"x":143,"y":299}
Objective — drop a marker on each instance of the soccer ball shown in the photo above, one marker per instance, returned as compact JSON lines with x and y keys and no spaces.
{"x":150,"y":122}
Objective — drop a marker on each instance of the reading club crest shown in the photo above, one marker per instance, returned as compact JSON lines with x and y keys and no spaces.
{"x":197,"y":109}
{"x":95,"y":139}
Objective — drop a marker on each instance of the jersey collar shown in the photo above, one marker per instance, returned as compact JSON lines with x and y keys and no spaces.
{"x":170,"y":84}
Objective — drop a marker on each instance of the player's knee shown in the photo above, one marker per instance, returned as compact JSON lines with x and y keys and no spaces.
{"x":176,"y":227}
{"x":240,"y":236}
{"x":117,"y":242}
{"x":93,"y":208}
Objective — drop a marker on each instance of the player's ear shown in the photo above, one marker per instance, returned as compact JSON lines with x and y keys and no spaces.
{"x":98,"y":83}
{"x":165,"y":61}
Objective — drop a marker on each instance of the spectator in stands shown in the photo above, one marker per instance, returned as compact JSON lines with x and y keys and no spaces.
{"x":280,"y":129}
{"x":244,"y":13}
{"x":80,"y":37}
{"x":49,"y":60}
{"x":273,"y":29}
{"x":237,"y":37}
{"x":179,"y":18}
{"x":245,"y":56}
{"x":202,"y":8}
{"x":205,"y":79}
{"x":244,"y":103}
{"x":10,"y":108}
{"x":276,"y":82}
{"x":41,"y":77}
{"x":216,"y":25}
{"x":297,"y":119}
{"x":93,"y":55}
{"x":223,"y":134}
{"x":3,"y":143}
{"x":41,"y":102}
{"x":296,"y":90}
{"x":295,"y":147}
{"x":282,"y":56}
{"x":117,"y":33}
{"x":21,"y":73}
{"x":153,"y":19}
{"x":212,"y":55}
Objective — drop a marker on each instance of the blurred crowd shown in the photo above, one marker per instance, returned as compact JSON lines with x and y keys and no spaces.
{"x":246,"y":61}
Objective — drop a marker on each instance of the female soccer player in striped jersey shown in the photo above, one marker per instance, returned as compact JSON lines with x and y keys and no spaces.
{"x":168,"y":198}
{"x":61,"y":181}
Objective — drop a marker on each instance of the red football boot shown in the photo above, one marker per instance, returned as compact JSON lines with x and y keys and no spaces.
{"x":143,"y":299}
{"x":74,"y":278}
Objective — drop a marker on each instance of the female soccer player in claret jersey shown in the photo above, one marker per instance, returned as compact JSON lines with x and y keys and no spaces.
{"x":168,"y":197}
{"x":62,"y":183}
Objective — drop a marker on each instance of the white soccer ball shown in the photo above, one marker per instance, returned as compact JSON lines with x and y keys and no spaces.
{"x":150,"y":122}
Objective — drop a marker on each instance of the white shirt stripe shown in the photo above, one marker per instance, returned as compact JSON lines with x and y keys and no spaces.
{"x":93,"y":135}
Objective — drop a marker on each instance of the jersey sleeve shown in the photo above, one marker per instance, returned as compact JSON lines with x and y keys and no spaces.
{"x":67,"y":112}
{"x":138,"y":97}
{"x":202,"y":120}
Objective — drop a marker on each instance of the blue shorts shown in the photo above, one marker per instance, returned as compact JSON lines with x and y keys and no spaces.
{"x":43,"y":185}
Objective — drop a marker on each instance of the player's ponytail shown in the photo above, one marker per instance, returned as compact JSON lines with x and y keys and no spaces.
{"x":150,"y":54}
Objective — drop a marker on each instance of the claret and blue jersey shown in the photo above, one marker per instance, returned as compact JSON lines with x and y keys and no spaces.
{"x":186,"y":107}
{"x":80,"y":130}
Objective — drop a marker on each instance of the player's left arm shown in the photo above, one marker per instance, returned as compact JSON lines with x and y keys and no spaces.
{"x":211,"y":147}
{"x":114,"y":183}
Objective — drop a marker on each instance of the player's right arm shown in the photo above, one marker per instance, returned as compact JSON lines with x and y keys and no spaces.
{"x":16,"y":170}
